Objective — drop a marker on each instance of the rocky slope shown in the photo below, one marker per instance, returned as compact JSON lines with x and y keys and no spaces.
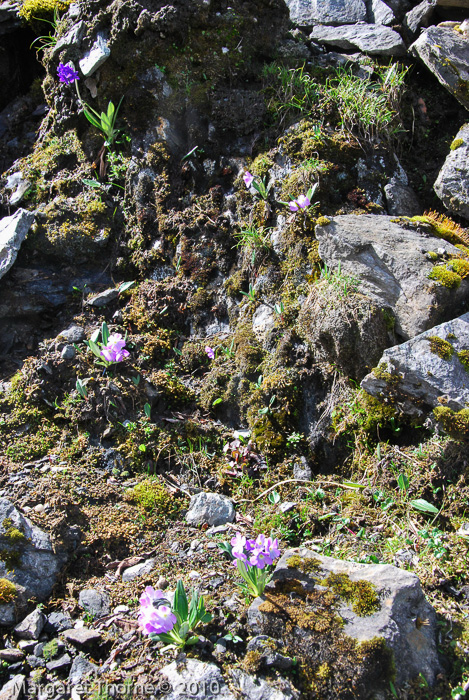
{"x":266,"y":226}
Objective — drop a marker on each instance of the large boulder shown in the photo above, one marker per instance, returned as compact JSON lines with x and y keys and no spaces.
{"x":452,"y":183}
{"x":27,"y":559}
{"x":429,"y":370}
{"x":13,"y":231}
{"x":394,"y":261}
{"x":352,"y":627}
{"x":445,"y":52}
{"x":373,"y":39}
{"x":306,"y":13}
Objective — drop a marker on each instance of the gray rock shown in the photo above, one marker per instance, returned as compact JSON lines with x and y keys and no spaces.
{"x":302,"y":470}
{"x":13,"y":689}
{"x":74,"y":334}
{"x":16,"y":182}
{"x":72,"y":38}
{"x":306,"y":13}
{"x":57,"y":622}
{"x":81,"y":668}
{"x":445,"y":52}
{"x":399,"y":603}
{"x":198,"y":673}
{"x":390,"y":260}
{"x":82,"y":636}
{"x":96,"y":56}
{"x":373,"y":39}
{"x":32,"y":626}
{"x":11,"y":656}
{"x":452,"y":183}
{"x":399,"y":7}
{"x":138,"y":570}
{"x":210,"y":508}
{"x":13,"y":231}
{"x":378,"y":12}
{"x":255,"y":688}
{"x":263,"y":320}
{"x":401,"y":199}
{"x":37,"y":566}
{"x":103,"y":298}
{"x":270,"y":652}
{"x":418,"y":376}
{"x":11,"y":612}
{"x":68,"y":352}
{"x":59,"y":664}
{"x":419,"y":16}
{"x":94,"y":602}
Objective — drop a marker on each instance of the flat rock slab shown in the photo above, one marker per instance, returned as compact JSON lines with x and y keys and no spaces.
{"x":445,"y":52}
{"x":32,"y":626}
{"x":306,"y":13}
{"x":82,"y":636}
{"x":373,"y":39}
{"x":304,"y":598}
{"x":452,"y":183}
{"x":379,"y":13}
{"x":390,"y":259}
{"x":94,"y":602}
{"x":13,"y":231}
{"x":418,"y":376}
{"x":141,"y":569}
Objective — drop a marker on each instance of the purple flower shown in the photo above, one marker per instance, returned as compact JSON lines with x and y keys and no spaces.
{"x":210,"y":352}
{"x":114,"y":350}
{"x":248,"y":178}
{"x":260,"y":559}
{"x":238,"y":542}
{"x":66,"y":74}
{"x":301,"y":203}
{"x":272,"y":548}
{"x":149,"y":596}
{"x":156,"y":621}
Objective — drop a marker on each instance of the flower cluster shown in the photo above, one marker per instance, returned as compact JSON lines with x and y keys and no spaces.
{"x":155,"y":616}
{"x":114,"y":350}
{"x":210,"y":352}
{"x":253,"y":559}
{"x":301,"y":203}
{"x":67,"y":74}
{"x":262,"y":551}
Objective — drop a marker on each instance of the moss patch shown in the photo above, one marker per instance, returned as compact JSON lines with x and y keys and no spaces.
{"x":361,"y":594}
{"x":463,"y":357}
{"x":456,"y":144}
{"x":456,"y":423}
{"x":440,"y":347}
{"x":447,"y":278}
{"x":7,"y":591}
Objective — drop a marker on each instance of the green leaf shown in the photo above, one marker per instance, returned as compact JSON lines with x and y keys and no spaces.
{"x":95,"y":349}
{"x":424,"y":506}
{"x":104,"y":333}
{"x":180,"y":601}
{"x":403,"y":482}
{"x":192,"y":640}
{"x":353,"y":485}
{"x":125,"y":285}
{"x":92,"y":183}
{"x":217,"y":401}
{"x":147,"y":409}
{"x":183,"y":630}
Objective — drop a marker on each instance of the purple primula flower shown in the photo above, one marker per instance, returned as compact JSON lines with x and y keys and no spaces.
{"x":210,"y":352}
{"x":149,"y":596}
{"x":67,"y":74}
{"x":248,"y":178}
{"x":238,"y":542}
{"x":272,"y":548}
{"x":157,"y":621}
{"x":301,"y":203}
{"x":114,"y":350}
{"x":260,"y":559}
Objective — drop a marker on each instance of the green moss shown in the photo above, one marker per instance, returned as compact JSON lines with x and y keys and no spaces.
{"x":455,"y":423}
{"x":31,"y":9}
{"x":361,"y":594}
{"x":235,"y":283}
{"x":463,"y":357}
{"x":440,"y":347}
{"x":323,"y":221}
{"x":307,"y":565}
{"x":456,"y":144}
{"x":261,"y":165}
{"x":445,"y":277}
{"x":389,"y":319}
{"x":460,"y":267}
{"x":252,"y":661}
{"x":153,"y":498}
{"x":11,"y":533}
{"x":432,"y":255}
{"x":7,"y":591}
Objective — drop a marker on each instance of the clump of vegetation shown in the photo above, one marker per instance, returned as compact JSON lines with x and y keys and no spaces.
{"x":361,"y":594}
{"x":154,"y":499}
{"x":463,"y":357}
{"x":455,"y":423}
{"x":440,"y":347}
{"x":456,"y":144}
{"x":7,"y":591}
{"x":31,"y":9}
{"x":50,"y":649}
{"x":445,"y":277}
